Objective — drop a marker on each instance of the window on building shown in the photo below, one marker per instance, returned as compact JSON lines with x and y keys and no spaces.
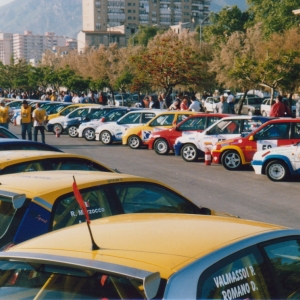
{"x":129,"y":10}
{"x":129,"y":18}
{"x":129,"y":4}
{"x":97,"y":3}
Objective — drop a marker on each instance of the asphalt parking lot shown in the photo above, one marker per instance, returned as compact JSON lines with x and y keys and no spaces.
{"x":238,"y":192}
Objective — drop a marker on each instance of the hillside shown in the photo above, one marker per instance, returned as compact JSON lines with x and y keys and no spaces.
{"x":64,"y":17}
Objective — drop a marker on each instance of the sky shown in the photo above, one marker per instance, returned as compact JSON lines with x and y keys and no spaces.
{"x":2,"y":2}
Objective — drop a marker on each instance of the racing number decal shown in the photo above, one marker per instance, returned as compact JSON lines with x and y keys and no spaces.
{"x":267,"y":144}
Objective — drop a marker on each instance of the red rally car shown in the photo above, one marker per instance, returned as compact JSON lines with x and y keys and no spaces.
{"x":162,"y":141}
{"x":240,"y":151}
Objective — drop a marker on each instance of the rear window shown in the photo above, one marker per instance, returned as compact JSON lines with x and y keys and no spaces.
{"x":52,"y":164}
{"x":119,"y":198}
{"x":21,"y":280}
{"x":7,"y":213}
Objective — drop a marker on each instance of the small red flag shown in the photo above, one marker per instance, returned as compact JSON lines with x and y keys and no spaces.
{"x":80,"y":201}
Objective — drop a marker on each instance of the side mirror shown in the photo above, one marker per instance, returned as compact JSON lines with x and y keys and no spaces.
{"x":205,"y":211}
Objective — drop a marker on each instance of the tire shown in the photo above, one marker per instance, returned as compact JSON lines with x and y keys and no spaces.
{"x":231,"y":160}
{"x":89,"y":134}
{"x":277,"y":170}
{"x":189,"y":152}
{"x":57,"y":127}
{"x":161,"y":147}
{"x":134,"y":142}
{"x":264,"y":114}
{"x":105,"y":137}
{"x":73,"y":131}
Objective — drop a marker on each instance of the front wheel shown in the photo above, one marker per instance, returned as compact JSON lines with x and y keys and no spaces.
{"x":277,"y":170}
{"x":89,"y":134}
{"x":105,"y":137}
{"x":161,"y":147}
{"x":134,"y":142}
{"x":231,"y":160}
{"x":73,"y":131}
{"x":189,"y":152}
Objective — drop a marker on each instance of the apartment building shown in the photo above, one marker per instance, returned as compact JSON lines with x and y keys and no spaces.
{"x":6,"y":46}
{"x":99,"y":16}
{"x":29,"y":46}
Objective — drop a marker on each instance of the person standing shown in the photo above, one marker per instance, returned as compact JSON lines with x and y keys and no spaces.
{"x":26,"y":120}
{"x":222,"y":107}
{"x":195,"y":105}
{"x":278,"y":109}
{"x":39,"y":116}
{"x":184,"y":103}
{"x":230,"y":101}
{"x":5,"y":113}
{"x":298,"y":109}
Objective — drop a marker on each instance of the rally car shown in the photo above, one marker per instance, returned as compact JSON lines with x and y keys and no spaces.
{"x":111,"y":114}
{"x":162,"y":141}
{"x":277,"y":163}
{"x":113,"y":131}
{"x":239,"y":151}
{"x":190,"y":147}
{"x":139,"y":136}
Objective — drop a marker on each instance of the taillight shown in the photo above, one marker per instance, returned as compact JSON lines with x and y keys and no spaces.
{"x":7,"y":246}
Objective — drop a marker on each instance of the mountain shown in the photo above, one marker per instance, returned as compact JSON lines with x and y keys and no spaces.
{"x":64,"y":17}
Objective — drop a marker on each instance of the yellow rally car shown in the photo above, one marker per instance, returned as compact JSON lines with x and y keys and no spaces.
{"x":160,"y":256}
{"x":67,"y":110}
{"x":18,"y":161}
{"x":138,"y":136}
{"x":34,"y":203}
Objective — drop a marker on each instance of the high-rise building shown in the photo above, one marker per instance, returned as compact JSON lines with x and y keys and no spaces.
{"x":31,"y":47}
{"x":6,"y":46}
{"x":98,"y":15}
{"x":115,"y":21}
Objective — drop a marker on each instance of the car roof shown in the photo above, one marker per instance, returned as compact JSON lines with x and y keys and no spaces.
{"x":27,"y":142}
{"x":154,"y":242}
{"x":52,"y":184}
{"x":12,"y":157}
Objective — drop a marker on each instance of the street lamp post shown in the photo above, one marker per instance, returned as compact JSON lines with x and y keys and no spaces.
{"x":201,"y":29}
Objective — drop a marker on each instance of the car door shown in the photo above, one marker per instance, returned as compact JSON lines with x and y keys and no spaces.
{"x":269,"y":136}
{"x":223,"y":130}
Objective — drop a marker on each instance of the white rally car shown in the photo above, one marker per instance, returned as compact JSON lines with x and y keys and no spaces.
{"x":278,"y":163}
{"x":191,"y":146}
{"x":112,"y":132}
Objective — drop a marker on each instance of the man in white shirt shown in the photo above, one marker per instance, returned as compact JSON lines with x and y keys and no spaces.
{"x":230,"y":101}
{"x":75,"y":99}
{"x":195,"y":105}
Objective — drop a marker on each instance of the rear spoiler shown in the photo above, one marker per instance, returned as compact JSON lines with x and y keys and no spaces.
{"x":151,"y":280}
{"x":17,"y":200}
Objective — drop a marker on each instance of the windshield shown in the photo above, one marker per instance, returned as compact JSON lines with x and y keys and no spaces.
{"x":80,"y":112}
{"x":132,"y":118}
{"x":96,"y":114}
{"x":21,"y":280}
{"x":15,"y":104}
{"x":67,"y":110}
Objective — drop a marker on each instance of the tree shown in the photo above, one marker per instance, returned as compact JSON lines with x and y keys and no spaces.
{"x":223,"y":24}
{"x":169,"y":60}
{"x":143,"y":35}
{"x":235,"y":63}
{"x":275,"y":15}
